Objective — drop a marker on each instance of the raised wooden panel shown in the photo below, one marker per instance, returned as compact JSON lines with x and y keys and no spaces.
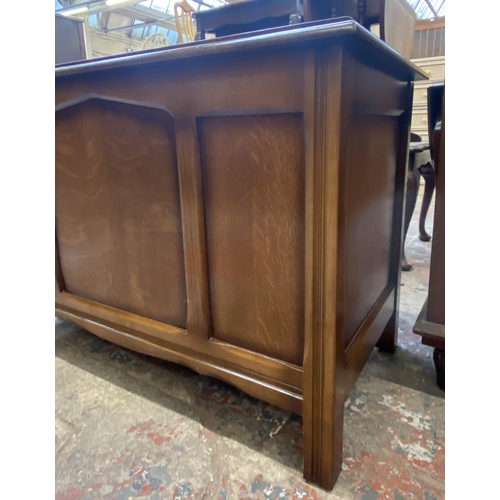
{"x":253,"y":183}
{"x":118,"y":218}
{"x":369,"y":211}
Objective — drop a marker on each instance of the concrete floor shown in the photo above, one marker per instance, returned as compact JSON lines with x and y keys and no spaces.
{"x":129,"y":426}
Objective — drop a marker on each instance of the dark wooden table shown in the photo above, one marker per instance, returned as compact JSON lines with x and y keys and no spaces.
{"x":236,"y":205}
{"x":253,"y":15}
{"x":243,"y":17}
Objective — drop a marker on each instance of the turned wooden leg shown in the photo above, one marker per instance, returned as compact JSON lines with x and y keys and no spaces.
{"x":411,"y":201}
{"x":427,"y":172}
{"x":439,"y":364}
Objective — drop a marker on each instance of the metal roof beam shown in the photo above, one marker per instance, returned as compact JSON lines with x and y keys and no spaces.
{"x":146,"y":15}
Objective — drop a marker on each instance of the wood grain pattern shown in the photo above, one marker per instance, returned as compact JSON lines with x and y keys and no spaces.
{"x":323,"y":407}
{"x":117,"y":208}
{"x":253,"y":180}
{"x":193,"y":228}
{"x":284,"y":375}
{"x":208,"y":87}
{"x":238,"y":165}
{"x":370,"y":192}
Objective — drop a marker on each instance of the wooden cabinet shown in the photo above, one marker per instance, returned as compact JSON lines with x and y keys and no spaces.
{"x":236,"y":206}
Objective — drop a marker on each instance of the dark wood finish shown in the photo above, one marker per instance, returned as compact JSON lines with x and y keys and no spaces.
{"x":432,"y":333}
{"x":243,"y":17}
{"x":436,"y":305}
{"x":389,"y":337}
{"x":363,"y":44}
{"x":439,"y":363}
{"x":69,"y":40}
{"x":252,"y":145}
{"x":324,"y":351}
{"x":117,"y":208}
{"x":431,"y":321}
{"x":427,"y":172}
{"x":193,"y":227}
{"x":396,"y":17}
{"x":253,"y":169}
{"x":413,"y":182}
{"x":435,"y":93}
{"x":368,"y":233}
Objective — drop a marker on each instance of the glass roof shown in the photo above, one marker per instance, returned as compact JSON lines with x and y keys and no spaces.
{"x":421,"y":7}
{"x":168,"y":5}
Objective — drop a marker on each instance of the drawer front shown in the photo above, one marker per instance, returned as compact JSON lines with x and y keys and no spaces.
{"x":434,"y":71}
{"x":420,"y":96}
{"x":419,"y":120}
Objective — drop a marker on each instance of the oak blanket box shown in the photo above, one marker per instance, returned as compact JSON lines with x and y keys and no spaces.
{"x":236,"y":205}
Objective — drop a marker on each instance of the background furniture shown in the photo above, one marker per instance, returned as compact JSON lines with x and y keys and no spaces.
{"x":154,"y":41}
{"x":220,"y":214}
{"x":429,"y":38}
{"x":429,"y":54}
{"x":435,"y":70}
{"x":244,"y":17}
{"x":69,"y":39}
{"x":396,"y":17}
{"x":431,"y":321}
{"x":184,"y":22}
{"x":417,"y":167}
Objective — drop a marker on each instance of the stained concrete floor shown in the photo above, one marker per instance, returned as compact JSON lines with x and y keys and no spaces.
{"x":130,"y":426}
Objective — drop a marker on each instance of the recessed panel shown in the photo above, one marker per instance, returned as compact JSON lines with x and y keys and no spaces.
{"x":118,"y":217}
{"x":253,"y":185}
{"x":369,"y":212}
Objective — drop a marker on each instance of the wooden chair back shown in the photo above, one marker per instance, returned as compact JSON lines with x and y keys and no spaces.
{"x":184,"y":21}
{"x":397,"y":25}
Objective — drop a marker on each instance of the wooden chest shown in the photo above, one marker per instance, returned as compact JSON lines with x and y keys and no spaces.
{"x":236,"y":205}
